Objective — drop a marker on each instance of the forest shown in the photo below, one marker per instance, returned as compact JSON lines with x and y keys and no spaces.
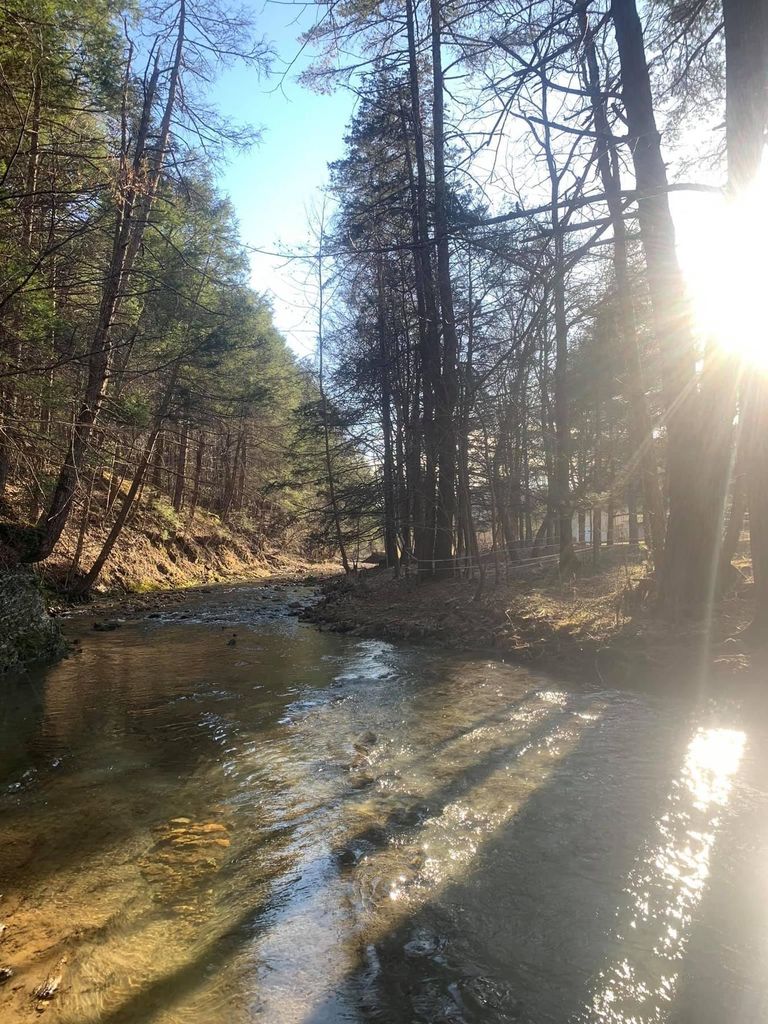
{"x":383,"y":511}
{"x":528,"y":334}
{"x":509,"y":359}
{"x":138,"y":367}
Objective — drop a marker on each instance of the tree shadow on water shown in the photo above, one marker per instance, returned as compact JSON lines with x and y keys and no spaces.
{"x":522,"y":934}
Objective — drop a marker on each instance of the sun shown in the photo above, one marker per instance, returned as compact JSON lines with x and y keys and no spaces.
{"x":723,"y":250}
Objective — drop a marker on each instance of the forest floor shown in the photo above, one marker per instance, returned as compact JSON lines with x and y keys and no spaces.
{"x":162,"y":550}
{"x":595,"y":627}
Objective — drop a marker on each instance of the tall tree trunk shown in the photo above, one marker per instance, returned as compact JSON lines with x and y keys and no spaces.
{"x":158,"y":461}
{"x":84,"y":524}
{"x":198,"y":474}
{"x":597,"y":479}
{"x":140,"y":186}
{"x":640,"y":428}
{"x":465,"y":491}
{"x":324,"y":406}
{"x":562,"y":455}
{"x":445,"y":411}
{"x":429,"y":337}
{"x":696,"y":474}
{"x":746,"y":61}
{"x":181,"y":465}
{"x":390,"y":508}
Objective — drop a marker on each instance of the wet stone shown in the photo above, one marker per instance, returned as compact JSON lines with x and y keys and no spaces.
{"x":422,"y":944}
{"x":365,"y":741}
{"x":186,"y":853}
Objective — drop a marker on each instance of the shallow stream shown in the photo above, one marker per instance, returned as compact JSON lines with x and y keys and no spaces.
{"x":219,"y":815}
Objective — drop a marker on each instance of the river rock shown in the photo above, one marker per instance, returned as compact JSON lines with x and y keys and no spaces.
{"x":184,"y":856}
{"x":27,"y":632}
{"x":365,"y":741}
{"x":422,"y":943}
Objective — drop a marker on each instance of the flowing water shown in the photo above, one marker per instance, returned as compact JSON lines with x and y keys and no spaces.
{"x":221,"y":816}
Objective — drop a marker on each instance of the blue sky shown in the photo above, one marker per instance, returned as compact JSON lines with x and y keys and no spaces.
{"x":274,"y":185}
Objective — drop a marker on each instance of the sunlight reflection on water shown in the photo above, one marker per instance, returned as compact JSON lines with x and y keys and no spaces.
{"x":667,"y":884}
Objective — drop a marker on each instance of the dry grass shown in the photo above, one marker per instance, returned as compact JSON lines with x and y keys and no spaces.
{"x":596,"y":624}
{"x":592,"y":606}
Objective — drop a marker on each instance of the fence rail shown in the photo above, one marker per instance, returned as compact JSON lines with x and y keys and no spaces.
{"x":513,"y":560}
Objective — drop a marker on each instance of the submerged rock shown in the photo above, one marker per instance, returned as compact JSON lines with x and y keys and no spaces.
{"x":107,"y":626}
{"x":365,"y":741}
{"x":422,"y":944}
{"x":185,"y":854}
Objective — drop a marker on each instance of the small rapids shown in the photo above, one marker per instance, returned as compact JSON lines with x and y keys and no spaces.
{"x":220,"y":815}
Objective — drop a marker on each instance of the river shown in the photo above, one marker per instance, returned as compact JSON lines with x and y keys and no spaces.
{"x":220,"y":815}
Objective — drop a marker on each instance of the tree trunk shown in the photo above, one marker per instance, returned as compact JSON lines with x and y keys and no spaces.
{"x":429,"y":338}
{"x":691,"y":551}
{"x":597,"y":479}
{"x":198,"y":474}
{"x":84,"y":523}
{"x":445,"y":406}
{"x":633,"y":525}
{"x":181,"y":467}
{"x":141,"y":183}
{"x":733,"y":530}
{"x":324,"y":405}
{"x":746,"y":59}
{"x":640,"y":428}
{"x":390,"y":507}
{"x":562,"y":455}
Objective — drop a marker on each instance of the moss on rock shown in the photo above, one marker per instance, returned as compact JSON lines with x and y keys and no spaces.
{"x":27,"y":632}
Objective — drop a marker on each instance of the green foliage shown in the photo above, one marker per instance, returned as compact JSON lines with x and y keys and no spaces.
{"x":201,"y":391}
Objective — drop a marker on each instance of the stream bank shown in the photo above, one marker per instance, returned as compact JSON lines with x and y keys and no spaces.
{"x":591,"y":628}
{"x":159,"y":552}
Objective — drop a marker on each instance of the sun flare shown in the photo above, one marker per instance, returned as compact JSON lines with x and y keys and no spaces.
{"x":722,"y":247}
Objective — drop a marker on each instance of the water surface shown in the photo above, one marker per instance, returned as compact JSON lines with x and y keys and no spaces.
{"x":222,"y":816}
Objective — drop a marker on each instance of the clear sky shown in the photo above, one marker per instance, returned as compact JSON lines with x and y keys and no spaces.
{"x":273,"y":185}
